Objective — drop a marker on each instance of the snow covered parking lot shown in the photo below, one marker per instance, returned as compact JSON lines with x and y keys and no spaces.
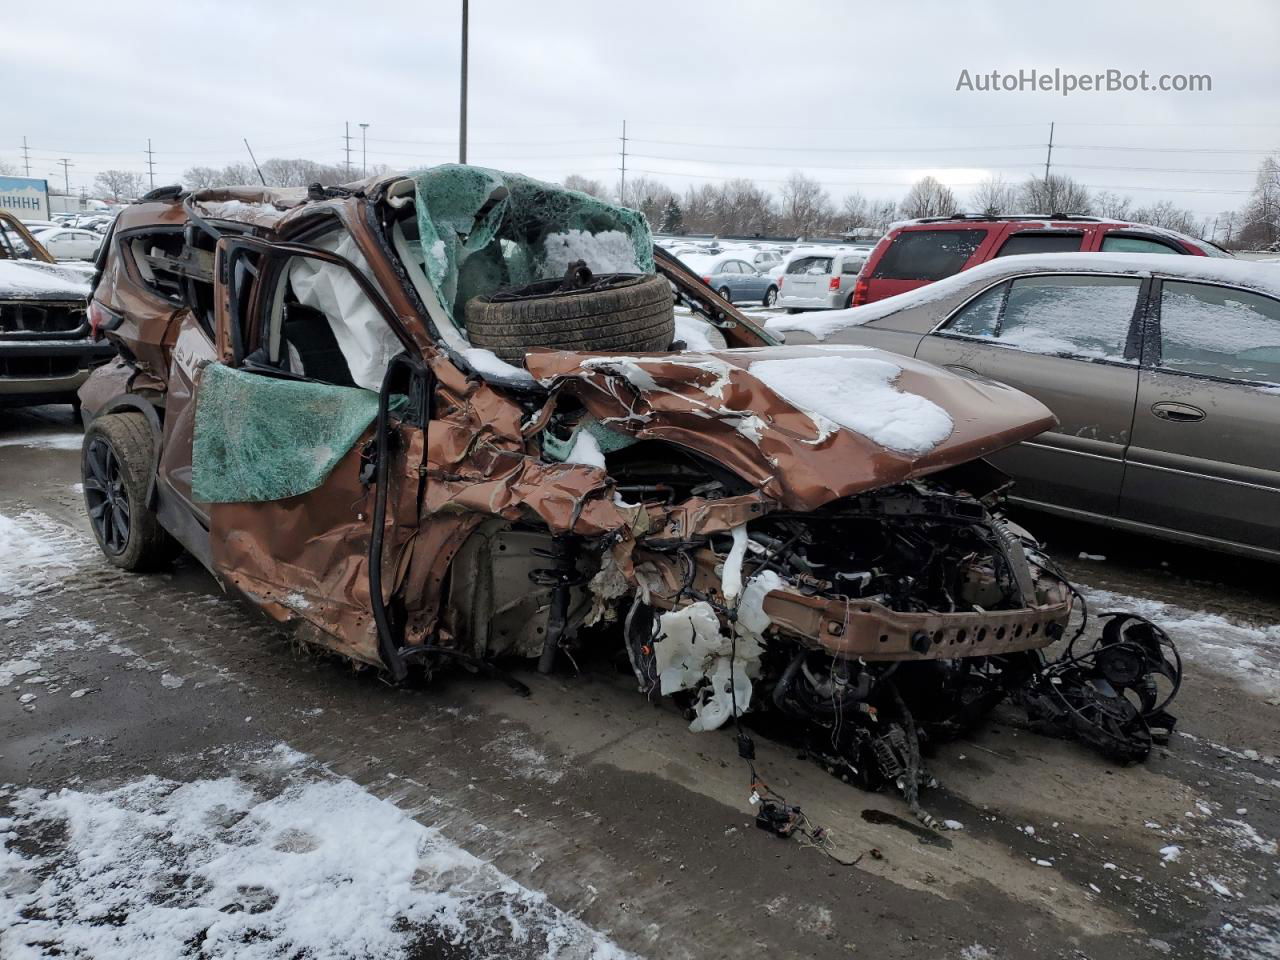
{"x":180,"y":782}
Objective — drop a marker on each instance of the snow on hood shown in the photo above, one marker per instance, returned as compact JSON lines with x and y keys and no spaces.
{"x":1263,"y":277}
{"x":32,"y":279}
{"x":806,"y":425}
{"x":858,"y":393}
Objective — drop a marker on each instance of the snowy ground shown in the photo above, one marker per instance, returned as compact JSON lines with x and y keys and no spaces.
{"x":277,"y":858}
{"x":178,"y":782}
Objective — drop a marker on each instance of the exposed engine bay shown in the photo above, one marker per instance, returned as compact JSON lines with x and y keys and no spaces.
{"x":877,"y":626}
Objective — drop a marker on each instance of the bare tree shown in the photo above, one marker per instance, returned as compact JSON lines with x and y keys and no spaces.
{"x":855,"y":211}
{"x":8,"y":169}
{"x":1107,"y":204}
{"x":586,"y":185}
{"x":119,"y":185}
{"x":1170,"y":216}
{"x":1055,"y":194}
{"x":994,"y":197}
{"x":1225,"y":227}
{"x":806,"y":207}
{"x":741,"y":207}
{"x":647,"y":195}
{"x":929,"y":198}
{"x":698,"y":207}
{"x":1260,"y":226}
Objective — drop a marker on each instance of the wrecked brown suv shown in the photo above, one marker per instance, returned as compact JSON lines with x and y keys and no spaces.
{"x":452,"y":417}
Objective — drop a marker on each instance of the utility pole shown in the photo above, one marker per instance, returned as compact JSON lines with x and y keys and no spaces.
{"x":151,"y":165}
{"x":622,"y":187}
{"x":26,"y":156}
{"x":462,"y":110}
{"x":1048,"y":156}
{"x":66,"y":176}
{"x":364,"y":152}
{"x":347,"y":136}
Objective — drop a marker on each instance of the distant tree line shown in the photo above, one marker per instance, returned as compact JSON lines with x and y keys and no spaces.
{"x":800,"y":207}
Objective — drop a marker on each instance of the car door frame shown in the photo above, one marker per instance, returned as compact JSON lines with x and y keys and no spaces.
{"x":349,"y":490}
{"x":1152,"y":352}
{"x":1077,"y":446}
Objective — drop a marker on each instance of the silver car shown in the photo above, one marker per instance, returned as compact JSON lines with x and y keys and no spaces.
{"x":1164,"y":373}
{"x":817,"y":280}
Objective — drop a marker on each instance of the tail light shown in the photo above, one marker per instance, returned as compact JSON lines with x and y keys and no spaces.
{"x":97,"y":317}
{"x":834,"y":283}
{"x":780,"y":279}
{"x":707,"y":281}
{"x":102,"y":320}
{"x":861,"y":291}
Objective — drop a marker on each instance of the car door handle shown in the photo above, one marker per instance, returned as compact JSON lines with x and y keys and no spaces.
{"x":1177,"y":412}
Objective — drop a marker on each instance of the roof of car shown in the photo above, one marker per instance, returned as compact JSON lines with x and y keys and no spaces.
{"x":1047,"y":221}
{"x":1250,"y":274}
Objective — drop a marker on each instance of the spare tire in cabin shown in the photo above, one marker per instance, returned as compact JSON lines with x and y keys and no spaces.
{"x":608,"y":313}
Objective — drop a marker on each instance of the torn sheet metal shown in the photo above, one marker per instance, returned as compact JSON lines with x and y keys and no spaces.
{"x":713,"y":405}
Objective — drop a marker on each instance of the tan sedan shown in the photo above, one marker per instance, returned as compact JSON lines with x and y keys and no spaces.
{"x":1164,"y":373}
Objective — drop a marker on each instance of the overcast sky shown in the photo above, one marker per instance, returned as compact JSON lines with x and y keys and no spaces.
{"x":860,"y":95}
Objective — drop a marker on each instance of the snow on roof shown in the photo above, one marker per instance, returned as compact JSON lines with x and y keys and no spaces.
{"x":1251,"y":274}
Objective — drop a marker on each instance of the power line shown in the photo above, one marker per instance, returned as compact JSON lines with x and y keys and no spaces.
{"x":151,"y":165}
{"x":791,"y":149}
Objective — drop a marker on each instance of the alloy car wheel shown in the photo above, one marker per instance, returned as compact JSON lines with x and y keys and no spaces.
{"x":106,"y":497}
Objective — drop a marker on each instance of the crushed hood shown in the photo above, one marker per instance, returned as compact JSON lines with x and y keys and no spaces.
{"x":804,"y":424}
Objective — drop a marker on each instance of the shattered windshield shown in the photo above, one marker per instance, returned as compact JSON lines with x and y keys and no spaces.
{"x":482,"y":230}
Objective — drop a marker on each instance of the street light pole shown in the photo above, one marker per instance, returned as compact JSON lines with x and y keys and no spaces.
{"x":462,"y":113}
{"x":364,"y":154}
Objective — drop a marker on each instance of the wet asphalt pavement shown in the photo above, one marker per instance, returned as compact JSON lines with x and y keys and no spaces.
{"x":624,"y":819}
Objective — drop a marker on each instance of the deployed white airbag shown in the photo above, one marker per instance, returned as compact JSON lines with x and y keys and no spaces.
{"x":364,"y":338}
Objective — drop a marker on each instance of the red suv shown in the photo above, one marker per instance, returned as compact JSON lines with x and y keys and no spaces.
{"x":917,"y":252}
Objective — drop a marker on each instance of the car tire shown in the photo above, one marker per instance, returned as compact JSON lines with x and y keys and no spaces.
{"x":626,"y":312}
{"x":116,"y":460}
{"x":771,"y":297}
{"x":848,"y":301}
{"x":725,"y":294}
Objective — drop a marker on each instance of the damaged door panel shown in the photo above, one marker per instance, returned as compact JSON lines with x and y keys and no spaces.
{"x":809,"y":533}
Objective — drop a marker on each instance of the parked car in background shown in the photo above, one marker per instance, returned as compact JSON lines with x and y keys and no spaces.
{"x":66,"y":243}
{"x":917,"y":252}
{"x":46,"y":350}
{"x":734,"y":277}
{"x":819,"y":280}
{"x":1164,"y":373}
{"x":35,"y":226}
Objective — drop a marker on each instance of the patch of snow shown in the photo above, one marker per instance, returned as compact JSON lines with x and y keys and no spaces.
{"x":1091,"y":556}
{"x":489,"y":364}
{"x":953,"y":824}
{"x":585,"y":450}
{"x":1170,"y":853}
{"x":696,"y":334}
{"x":46,"y":441}
{"x":320,"y":868}
{"x":858,"y":393}
{"x":171,"y":682}
{"x":36,"y":554}
{"x":33,"y":279}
